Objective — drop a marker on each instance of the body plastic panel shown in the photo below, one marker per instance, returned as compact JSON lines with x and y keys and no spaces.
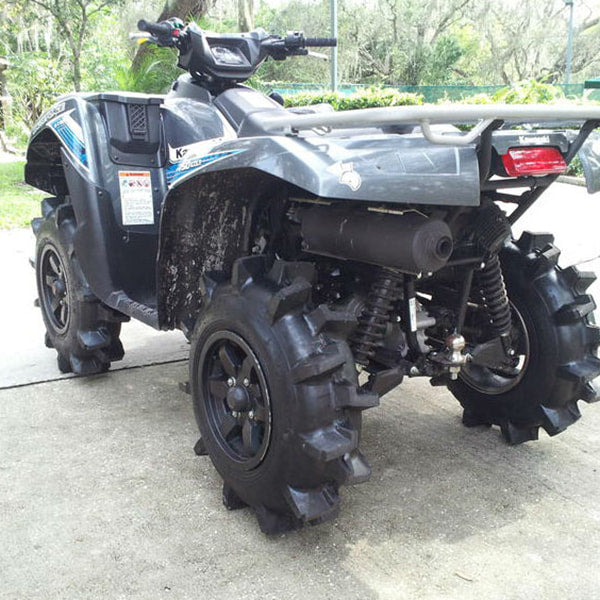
{"x":399,"y":169}
{"x":118,"y":259}
{"x":371,"y":167}
{"x":120,"y":256}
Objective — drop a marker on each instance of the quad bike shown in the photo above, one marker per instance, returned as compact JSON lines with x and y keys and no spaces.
{"x":297,"y":247}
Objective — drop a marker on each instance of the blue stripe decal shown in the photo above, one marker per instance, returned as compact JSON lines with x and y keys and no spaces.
{"x":185,"y":167}
{"x":70,"y":140}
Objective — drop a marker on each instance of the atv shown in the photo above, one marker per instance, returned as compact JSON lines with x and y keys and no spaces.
{"x":313,"y":259}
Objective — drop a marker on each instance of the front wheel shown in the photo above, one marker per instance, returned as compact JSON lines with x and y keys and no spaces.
{"x":83,"y":331}
{"x":555,"y":342}
{"x":275,"y":396}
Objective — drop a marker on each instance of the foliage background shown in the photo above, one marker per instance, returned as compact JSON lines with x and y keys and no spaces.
{"x":57,"y":46}
{"x":381,"y":42}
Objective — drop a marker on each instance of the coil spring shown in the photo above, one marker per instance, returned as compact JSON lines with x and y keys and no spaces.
{"x":372,"y":323}
{"x":491,"y":284}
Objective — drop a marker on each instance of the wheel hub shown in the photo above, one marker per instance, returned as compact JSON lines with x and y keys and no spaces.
{"x":59,"y":288}
{"x":54,"y":289}
{"x":236,"y":398}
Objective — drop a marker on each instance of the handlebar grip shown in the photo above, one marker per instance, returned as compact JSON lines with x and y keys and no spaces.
{"x":320,"y":42}
{"x":156,"y":29}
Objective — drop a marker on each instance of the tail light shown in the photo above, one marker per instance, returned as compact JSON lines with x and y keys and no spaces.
{"x":533,"y":161}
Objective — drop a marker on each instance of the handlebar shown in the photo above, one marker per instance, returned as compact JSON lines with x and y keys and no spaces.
{"x":166,"y":33}
{"x":320,"y":42}
{"x":294,"y":44}
{"x":173,"y":33}
{"x":155,"y":29}
{"x":296,"y":39}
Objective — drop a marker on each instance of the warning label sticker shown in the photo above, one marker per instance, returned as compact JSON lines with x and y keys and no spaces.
{"x":136,"y":198}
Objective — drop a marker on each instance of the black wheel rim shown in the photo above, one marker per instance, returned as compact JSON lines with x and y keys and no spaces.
{"x":54,"y":289}
{"x":495,"y":382}
{"x":236,"y":398}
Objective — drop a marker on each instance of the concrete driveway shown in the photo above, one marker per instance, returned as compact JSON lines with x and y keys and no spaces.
{"x":101,"y":495}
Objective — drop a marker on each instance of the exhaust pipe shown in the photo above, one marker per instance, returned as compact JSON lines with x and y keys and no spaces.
{"x":411,"y":242}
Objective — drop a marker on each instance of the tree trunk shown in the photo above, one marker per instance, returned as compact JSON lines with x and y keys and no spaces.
{"x":184,"y":9}
{"x":3,"y":91}
{"x":245,"y":15}
{"x":76,"y":72}
{"x":557,"y":70}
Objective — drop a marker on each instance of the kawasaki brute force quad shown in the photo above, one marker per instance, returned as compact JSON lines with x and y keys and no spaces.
{"x":298,"y":249}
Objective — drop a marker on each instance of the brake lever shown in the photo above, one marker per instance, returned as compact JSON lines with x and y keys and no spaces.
{"x":139,"y":35}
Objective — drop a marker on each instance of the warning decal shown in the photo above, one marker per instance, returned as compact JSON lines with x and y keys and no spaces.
{"x":136,"y":198}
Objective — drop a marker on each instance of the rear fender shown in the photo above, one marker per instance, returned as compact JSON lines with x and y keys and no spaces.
{"x":65,"y":126}
{"x":205,"y":226}
{"x":373,"y":167}
{"x":44,"y":169}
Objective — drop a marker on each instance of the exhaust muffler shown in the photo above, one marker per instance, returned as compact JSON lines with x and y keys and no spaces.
{"x":409,"y":242}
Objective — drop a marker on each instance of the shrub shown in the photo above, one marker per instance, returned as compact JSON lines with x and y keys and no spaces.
{"x":529,"y":92}
{"x":367,"y":98}
{"x":154,"y":74}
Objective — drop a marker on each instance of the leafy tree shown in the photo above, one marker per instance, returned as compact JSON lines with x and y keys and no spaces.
{"x":34,"y":86}
{"x":312,"y":18}
{"x":73,"y":18}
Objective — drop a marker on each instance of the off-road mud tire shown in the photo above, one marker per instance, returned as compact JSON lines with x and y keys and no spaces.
{"x":314,"y":401}
{"x":563,"y":340}
{"x":87,"y":340}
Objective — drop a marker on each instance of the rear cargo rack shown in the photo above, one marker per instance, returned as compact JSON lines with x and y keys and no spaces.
{"x":485,"y":118}
{"x":425,"y":116}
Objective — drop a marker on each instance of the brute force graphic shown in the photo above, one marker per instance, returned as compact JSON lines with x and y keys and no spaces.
{"x":314,"y":259}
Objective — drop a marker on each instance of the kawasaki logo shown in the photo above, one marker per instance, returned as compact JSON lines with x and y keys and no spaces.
{"x":534,"y":140}
{"x":193,"y":150}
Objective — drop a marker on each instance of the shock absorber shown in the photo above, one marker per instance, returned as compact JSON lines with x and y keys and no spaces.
{"x":491,"y":230}
{"x":372,"y":323}
{"x":491,"y":284}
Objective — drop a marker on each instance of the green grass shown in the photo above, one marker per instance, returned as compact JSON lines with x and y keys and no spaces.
{"x":19,"y":202}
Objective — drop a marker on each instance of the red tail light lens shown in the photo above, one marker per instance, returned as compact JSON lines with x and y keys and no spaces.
{"x":533,"y":161}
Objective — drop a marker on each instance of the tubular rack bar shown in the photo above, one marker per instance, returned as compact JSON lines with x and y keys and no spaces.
{"x":425,"y":116}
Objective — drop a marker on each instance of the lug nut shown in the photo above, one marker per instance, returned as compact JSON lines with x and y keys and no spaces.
{"x":231,"y":382}
{"x":246,"y":382}
{"x":251,"y":415}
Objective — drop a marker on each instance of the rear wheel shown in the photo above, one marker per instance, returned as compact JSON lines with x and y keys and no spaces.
{"x":84,"y":332}
{"x":275,"y":396}
{"x":555,"y":341}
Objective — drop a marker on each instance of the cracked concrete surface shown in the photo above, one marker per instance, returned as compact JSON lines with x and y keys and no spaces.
{"x":101,"y":495}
